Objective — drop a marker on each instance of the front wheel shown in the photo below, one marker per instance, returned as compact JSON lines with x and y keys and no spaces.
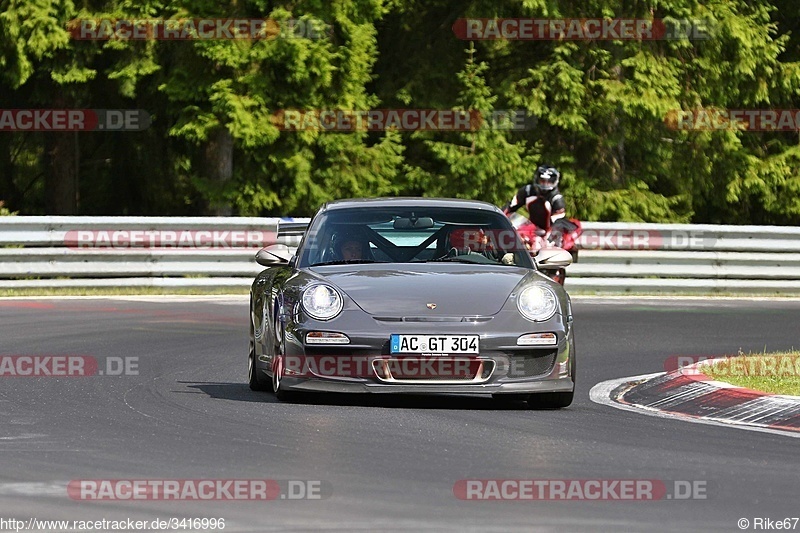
{"x":277,"y":380}
{"x":256,"y":381}
{"x":550,"y":400}
{"x":509,"y":399}
{"x":555,"y":400}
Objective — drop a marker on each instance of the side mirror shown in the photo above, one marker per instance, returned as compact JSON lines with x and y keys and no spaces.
{"x":552,"y":258}
{"x":276,"y":254}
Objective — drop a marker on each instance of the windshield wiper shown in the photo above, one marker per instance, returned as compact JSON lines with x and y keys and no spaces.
{"x":464,"y":259}
{"x":353,"y":262}
{"x":454,"y":259}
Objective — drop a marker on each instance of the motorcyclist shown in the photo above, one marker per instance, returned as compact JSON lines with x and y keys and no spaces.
{"x":543,"y":200}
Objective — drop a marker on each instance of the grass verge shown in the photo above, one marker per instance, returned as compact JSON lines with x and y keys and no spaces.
{"x":774,"y":373}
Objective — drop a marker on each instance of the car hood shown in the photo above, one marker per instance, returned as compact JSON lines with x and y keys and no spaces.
{"x":406,"y":290}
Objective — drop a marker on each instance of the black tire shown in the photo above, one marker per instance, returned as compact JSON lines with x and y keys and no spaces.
{"x":280,"y":391}
{"x":509,"y":399}
{"x":550,"y":400}
{"x":255,"y":379}
{"x":286,"y":396}
{"x":555,"y":400}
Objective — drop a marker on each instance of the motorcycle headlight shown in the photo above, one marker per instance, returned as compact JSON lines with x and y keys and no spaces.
{"x":322,"y":302}
{"x":537,"y":303}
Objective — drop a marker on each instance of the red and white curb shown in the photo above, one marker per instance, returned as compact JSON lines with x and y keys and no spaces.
{"x":689,"y":395}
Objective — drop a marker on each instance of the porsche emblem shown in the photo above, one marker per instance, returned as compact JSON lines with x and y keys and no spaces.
{"x":431,"y":306}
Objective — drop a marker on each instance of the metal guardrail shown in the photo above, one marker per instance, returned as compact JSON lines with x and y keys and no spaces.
{"x":639,"y":257}
{"x":188,"y":252}
{"x":44,"y":252}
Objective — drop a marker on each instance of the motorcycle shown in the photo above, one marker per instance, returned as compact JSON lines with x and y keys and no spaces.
{"x":563,"y":233}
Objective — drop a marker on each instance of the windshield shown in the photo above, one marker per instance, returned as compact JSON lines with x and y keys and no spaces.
{"x":412,"y":235}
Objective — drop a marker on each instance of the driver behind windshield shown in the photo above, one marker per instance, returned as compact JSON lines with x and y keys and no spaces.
{"x":350,"y":250}
{"x":350,"y":245}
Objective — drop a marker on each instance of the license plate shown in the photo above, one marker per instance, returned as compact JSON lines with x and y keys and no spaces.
{"x":434,"y":344}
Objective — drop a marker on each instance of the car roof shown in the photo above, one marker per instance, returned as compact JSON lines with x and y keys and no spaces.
{"x":409,"y":201}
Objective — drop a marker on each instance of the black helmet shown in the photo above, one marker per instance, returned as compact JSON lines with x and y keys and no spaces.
{"x":546,"y":178}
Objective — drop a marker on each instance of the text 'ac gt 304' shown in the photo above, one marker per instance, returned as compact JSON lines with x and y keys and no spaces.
{"x":412,"y":295}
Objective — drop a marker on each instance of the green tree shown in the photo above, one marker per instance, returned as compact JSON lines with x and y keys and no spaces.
{"x":482,"y":164}
{"x":41,"y":67}
{"x":222,"y":96}
{"x":603,"y":109}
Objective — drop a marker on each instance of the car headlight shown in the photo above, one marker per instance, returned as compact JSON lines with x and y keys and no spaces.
{"x":322,"y":302}
{"x":537,"y":303}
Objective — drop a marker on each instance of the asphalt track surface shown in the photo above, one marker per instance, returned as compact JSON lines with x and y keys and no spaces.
{"x":389,"y":463}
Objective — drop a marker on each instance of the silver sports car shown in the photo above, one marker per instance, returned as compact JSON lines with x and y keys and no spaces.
{"x":412,"y":295}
